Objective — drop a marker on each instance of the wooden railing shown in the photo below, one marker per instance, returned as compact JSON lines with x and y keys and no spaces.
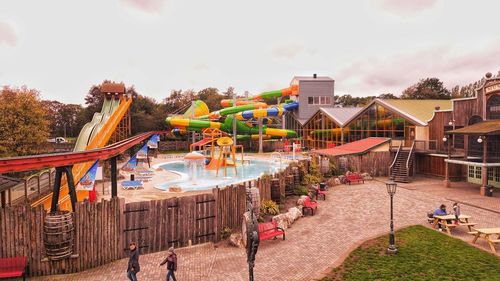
{"x":395,"y":158}
{"x":425,"y":145}
{"x":412,"y":150}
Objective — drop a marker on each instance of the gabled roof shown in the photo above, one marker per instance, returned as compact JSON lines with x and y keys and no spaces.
{"x":488,"y":127}
{"x":355,"y":147}
{"x":311,"y":78}
{"x":340,"y":114}
{"x":302,"y":121}
{"x":8,"y":182}
{"x":419,"y":112}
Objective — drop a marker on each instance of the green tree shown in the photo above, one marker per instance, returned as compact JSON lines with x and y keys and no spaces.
{"x":387,"y":96}
{"x":211,"y":97}
{"x":429,"y":88}
{"x":64,"y":119}
{"x":23,"y":123}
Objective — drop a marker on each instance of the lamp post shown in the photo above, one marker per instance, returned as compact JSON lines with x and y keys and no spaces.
{"x":391,"y":190}
{"x":446,"y":172}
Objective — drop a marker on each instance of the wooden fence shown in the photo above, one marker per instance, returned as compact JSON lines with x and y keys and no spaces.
{"x":104,"y":229}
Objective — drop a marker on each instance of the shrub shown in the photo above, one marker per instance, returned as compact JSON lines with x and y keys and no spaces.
{"x":225,"y":232}
{"x":301,"y":190}
{"x":269,"y":207}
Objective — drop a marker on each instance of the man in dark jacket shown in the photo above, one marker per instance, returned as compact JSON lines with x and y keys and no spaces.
{"x":133,"y":262}
{"x":171,"y":261}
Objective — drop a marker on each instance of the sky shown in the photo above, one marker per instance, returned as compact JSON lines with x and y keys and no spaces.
{"x":369,"y":47}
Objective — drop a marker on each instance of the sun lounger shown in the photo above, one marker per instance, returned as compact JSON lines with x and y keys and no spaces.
{"x":135,"y":184}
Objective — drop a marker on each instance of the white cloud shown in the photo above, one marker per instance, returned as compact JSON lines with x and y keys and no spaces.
{"x":7,"y":35}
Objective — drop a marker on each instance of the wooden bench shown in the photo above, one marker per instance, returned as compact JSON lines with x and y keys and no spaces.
{"x":269,"y":230}
{"x":308,"y":205}
{"x":13,"y":267}
{"x":354,"y":178}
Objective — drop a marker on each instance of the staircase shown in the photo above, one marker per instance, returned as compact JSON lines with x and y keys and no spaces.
{"x":402,"y":164}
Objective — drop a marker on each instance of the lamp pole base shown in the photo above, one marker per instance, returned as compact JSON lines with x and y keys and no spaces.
{"x":392,"y":250}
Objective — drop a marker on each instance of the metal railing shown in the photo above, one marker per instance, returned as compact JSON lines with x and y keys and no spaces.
{"x":412,"y":150}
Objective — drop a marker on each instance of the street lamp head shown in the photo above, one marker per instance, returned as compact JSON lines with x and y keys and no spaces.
{"x":450,"y":123}
{"x":445,"y":139}
{"x":391,"y":186}
{"x":480,"y":139}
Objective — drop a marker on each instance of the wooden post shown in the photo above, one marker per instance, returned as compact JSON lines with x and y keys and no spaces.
{"x":484,"y":168}
{"x":114,"y":180}
{"x":447,"y":168}
{"x":71,"y":186}
{"x":57,"y":187}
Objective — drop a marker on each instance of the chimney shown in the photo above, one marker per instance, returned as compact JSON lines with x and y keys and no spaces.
{"x":437,"y":107}
{"x":315,"y":76}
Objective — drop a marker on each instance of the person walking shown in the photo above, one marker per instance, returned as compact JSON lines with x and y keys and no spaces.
{"x":456,"y":210}
{"x":133,"y":262}
{"x":171,"y":261}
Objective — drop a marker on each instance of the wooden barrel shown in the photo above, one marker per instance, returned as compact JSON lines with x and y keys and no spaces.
{"x":296,"y":175}
{"x":275,"y":190}
{"x":58,"y":235}
{"x":290,"y":184}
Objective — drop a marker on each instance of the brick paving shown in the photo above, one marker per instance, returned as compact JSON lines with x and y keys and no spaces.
{"x":314,"y":244}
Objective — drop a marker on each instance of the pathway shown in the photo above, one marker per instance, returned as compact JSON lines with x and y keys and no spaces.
{"x":349,"y":216}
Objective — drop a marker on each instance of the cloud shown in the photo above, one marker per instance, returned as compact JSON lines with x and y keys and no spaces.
{"x":394,"y":74}
{"x":289,"y":51}
{"x":7,"y":35}
{"x":409,"y":7}
{"x":149,"y":6}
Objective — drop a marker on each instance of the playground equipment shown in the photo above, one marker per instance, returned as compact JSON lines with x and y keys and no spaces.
{"x":242,"y":116}
{"x":226,"y":152}
{"x":194,"y":160}
{"x":95,"y":134}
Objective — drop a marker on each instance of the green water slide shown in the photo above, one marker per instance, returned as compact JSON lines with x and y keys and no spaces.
{"x":90,"y":129}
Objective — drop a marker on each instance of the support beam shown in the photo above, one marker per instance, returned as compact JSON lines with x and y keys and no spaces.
{"x":71,"y":186}
{"x":484,"y":169}
{"x":260,"y":135}
{"x":114,"y":179}
{"x":57,"y":188}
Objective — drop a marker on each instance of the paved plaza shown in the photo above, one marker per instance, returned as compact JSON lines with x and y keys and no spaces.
{"x":315,"y":244}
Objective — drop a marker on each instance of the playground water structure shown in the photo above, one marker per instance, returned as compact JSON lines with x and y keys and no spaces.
{"x":206,"y":179}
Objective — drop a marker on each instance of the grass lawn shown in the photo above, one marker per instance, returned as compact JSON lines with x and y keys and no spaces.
{"x":424,"y":254}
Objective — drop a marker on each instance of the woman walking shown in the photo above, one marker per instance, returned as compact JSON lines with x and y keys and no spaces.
{"x":171,"y":261}
{"x":133,"y":262}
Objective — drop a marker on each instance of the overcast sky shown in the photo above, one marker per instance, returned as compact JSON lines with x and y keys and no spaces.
{"x":369,"y":47}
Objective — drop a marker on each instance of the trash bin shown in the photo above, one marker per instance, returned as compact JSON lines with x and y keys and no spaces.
{"x":322,"y":186}
{"x":489,"y":190}
{"x":132,"y":177}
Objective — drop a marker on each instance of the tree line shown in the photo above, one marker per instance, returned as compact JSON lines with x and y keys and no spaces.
{"x":26,"y":121}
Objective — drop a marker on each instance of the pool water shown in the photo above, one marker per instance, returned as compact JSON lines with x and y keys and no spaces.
{"x":206,"y":179}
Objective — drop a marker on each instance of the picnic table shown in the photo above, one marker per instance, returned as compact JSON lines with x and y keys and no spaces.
{"x":488,"y":232}
{"x":449,"y":222}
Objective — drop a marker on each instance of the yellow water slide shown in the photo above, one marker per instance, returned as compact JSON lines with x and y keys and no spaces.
{"x":95,"y":134}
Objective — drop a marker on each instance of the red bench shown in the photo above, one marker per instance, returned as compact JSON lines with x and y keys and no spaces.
{"x":269,"y":230}
{"x":13,"y":267}
{"x":354,"y":178}
{"x":308,"y":205}
{"x":320,"y":192}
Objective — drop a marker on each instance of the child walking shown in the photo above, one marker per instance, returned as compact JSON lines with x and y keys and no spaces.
{"x":456,"y":210}
{"x":171,"y":261}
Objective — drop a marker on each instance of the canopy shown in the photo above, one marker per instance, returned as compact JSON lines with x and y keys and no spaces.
{"x":490,"y":127}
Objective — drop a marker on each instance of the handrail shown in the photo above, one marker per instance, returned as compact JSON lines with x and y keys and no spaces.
{"x":395,"y":158}
{"x":408,"y":160}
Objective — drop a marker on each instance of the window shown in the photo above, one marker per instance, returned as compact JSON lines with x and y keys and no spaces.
{"x":328,"y":100}
{"x":310,"y":100}
{"x":497,"y":174}
{"x":316,"y":100}
{"x":478,"y":173}
{"x":322,"y":100}
{"x":471,"y":171}
{"x":490,"y":174}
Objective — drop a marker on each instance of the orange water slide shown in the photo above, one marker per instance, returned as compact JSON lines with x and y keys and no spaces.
{"x":79,"y":170}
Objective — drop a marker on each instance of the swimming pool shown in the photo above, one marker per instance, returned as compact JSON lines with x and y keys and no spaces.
{"x":206,"y":179}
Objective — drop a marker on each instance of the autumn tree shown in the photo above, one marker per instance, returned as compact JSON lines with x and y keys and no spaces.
{"x":387,"y":96}
{"x":64,"y":119}
{"x":429,"y":88}
{"x":211,"y":97}
{"x":23,"y":124}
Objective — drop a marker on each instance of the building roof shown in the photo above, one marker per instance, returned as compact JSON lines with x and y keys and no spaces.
{"x":311,"y":78}
{"x":113,"y":88}
{"x":302,"y":121}
{"x":8,"y":182}
{"x":419,"y":111}
{"x":355,"y":147}
{"x":488,"y":127}
{"x":341,"y":114}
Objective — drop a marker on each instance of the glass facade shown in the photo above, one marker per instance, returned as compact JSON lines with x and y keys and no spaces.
{"x":377,"y":121}
{"x":321,"y":132}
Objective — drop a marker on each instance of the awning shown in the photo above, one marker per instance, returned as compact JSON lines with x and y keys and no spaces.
{"x":355,"y":147}
{"x":490,"y":127}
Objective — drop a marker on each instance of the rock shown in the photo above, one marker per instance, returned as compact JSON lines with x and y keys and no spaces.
{"x":293,"y":214}
{"x":366,"y":176}
{"x":282,"y":220}
{"x":301,"y":200}
{"x":174,"y":188}
{"x":236,"y":240}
